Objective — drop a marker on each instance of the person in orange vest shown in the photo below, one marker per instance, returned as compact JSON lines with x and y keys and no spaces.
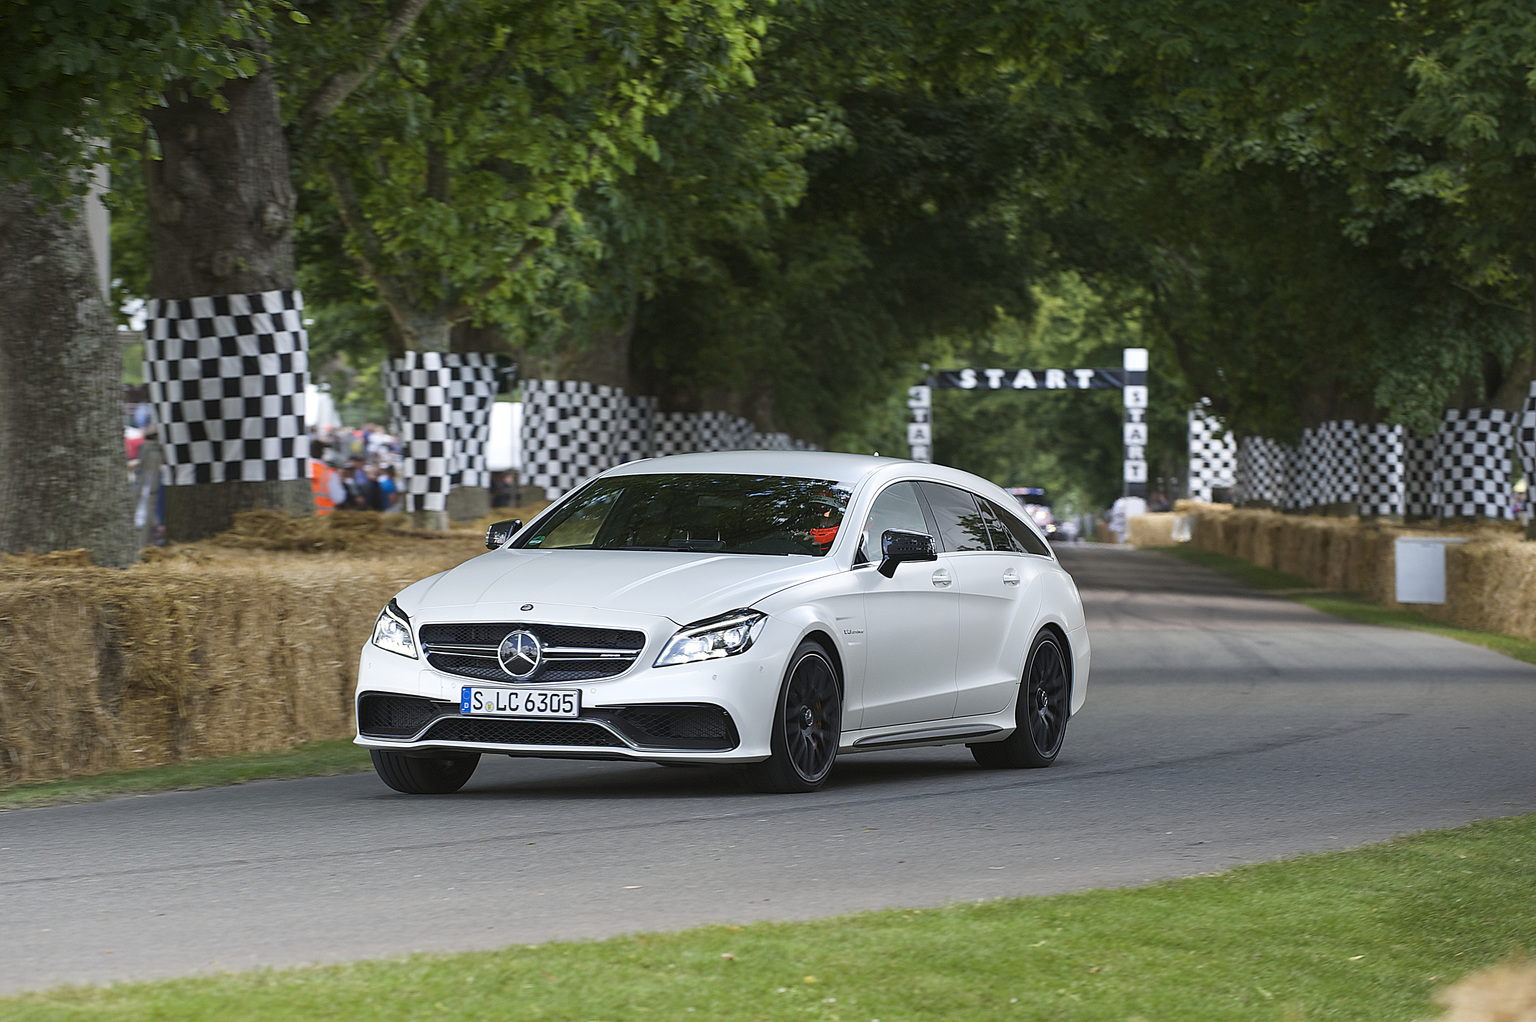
{"x":325,"y":483}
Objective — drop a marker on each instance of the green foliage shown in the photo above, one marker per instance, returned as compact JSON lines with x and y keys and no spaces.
{"x":458,"y":160}
{"x":76,"y":72}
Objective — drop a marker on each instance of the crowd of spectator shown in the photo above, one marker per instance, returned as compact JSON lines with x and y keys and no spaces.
{"x":354,"y":469}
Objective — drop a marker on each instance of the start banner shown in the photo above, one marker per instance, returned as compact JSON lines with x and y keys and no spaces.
{"x":1029,"y":379}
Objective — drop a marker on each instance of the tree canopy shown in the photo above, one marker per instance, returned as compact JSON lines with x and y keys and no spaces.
{"x":1306,"y":210}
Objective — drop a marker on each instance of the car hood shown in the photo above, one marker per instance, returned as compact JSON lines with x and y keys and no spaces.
{"x":684,"y":587}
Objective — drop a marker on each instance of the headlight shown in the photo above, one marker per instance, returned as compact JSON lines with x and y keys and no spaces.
{"x":721,"y":636}
{"x":392,"y":631}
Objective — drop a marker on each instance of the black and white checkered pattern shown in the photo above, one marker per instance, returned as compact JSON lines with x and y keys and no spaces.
{"x":1212,"y":455}
{"x":471,"y":393}
{"x":1421,"y":476}
{"x":226,"y":377}
{"x":419,"y":388}
{"x":1383,"y":462}
{"x":1308,"y":480}
{"x":573,"y":430}
{"x":1525,"y":440}
{"x":1261,"y":471}
{"x":568,"y":432}
{"x":636,"y":438}
{"x":676,"y":433}
{"x":1340,"y":449}
{"x":1474,"y":460}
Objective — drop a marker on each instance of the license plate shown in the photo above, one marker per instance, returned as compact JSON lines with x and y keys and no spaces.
{"x":520,"y":702}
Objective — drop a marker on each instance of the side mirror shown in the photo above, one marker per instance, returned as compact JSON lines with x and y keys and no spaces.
{"x":898,"y":546}
{"x":500,"y":532}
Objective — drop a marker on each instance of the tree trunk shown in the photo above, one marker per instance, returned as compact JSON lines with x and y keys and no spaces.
{"x":221,"y":207}
{"x":63,"y":472}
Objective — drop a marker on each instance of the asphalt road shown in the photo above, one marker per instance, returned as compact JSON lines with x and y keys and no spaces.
{"x":1222,"y":726}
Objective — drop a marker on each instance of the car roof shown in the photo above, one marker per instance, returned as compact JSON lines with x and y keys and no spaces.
{"x":808,"y":464}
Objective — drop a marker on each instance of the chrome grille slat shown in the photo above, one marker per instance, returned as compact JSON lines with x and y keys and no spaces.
{"x":594,"y":653}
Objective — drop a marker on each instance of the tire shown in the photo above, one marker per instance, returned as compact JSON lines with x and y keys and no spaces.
{"x":807,"y":725}
{"x":415,"y":775}
{"x":1040,"y":713}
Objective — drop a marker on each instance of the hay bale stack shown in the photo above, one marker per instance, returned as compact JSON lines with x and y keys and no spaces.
{"x":1490,"y":580}
{"x":204,"y":652}
{"x":1152,"y":529}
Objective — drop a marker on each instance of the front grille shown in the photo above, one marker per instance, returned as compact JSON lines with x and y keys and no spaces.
{"x":521,"y":732}
{"x":552,"y":670}
{"x":388,"y":716}
{"x":674,"y":725}
{"x":571,"y":652}
{"x":476,"y":634}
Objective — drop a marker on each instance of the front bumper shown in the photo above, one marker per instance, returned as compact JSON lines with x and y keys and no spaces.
{"x":647,"y":713}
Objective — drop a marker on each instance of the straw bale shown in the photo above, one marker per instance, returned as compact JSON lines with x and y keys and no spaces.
{"x":1152,"y":529}
{"x":1490,"y":580}
{"x":204,"y":651}
{"x":1504,"y":993}
{"x":1491,"y":586}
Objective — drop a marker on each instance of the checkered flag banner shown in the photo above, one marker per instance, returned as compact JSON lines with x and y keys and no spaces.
{"x":1383,"y":469}
{"x":1212,"y":454}
{"x":1421,"y":476}
{"x":572,"y":430}
{"x":418,"y":389}
{"x":471,"y":392}
{"x":226,"y":377}
{"x":1475,"y":473}
{"x":1261,"y":471}
{"x":1525,"y":439}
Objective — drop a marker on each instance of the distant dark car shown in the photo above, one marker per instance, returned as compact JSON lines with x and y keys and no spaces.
{"x":1038,"y":505}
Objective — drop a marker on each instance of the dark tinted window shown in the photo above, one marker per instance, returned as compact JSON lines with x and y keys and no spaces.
{"x":961,"y":526}
{"x":733,"y":514}
{"x":1001,"y":538}
{"x":1024,"y":538}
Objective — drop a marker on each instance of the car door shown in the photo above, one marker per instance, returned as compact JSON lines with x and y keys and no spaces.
{"x":912,"y":621}
{"x":1019,"y":559}
{"x":988,"y":585}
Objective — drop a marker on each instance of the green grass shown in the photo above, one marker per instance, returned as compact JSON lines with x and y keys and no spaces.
{"x":314,"y":759}
{"x":1366,"y":934}
{"x":1354,"y":606}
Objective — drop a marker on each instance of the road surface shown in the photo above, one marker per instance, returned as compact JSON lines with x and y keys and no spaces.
{"x":1223,"y":726}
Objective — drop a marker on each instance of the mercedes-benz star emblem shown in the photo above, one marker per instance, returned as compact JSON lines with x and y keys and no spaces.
{"x":520,"y":654}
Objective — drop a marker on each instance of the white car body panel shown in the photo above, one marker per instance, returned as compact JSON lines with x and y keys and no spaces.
{"x":904,"y":681}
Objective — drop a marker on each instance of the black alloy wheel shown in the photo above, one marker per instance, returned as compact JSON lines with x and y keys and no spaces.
{"x":1044,"y":703}
{"x":420,"y":775}
{"x":807,"y":727}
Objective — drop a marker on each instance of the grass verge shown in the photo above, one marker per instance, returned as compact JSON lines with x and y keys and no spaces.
{"x":1354,"y":606}
{"x":1366,"y":934}
{"x":313,"y":759}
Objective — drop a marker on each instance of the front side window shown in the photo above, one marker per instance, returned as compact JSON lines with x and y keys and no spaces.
{"x":961,"y":526}
{"x":732,"y":514}
{"x":897,"y":507}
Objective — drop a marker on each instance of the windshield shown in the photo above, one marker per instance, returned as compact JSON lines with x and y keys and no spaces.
{"x":732,"y":514}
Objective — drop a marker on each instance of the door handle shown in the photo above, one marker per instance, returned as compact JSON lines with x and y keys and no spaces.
{"x":942,"y":578}
{"x":1010,"y":577}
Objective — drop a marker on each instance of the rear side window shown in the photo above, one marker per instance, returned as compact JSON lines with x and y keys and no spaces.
{"x":961,"y":526}
{"x":1024,"y":538}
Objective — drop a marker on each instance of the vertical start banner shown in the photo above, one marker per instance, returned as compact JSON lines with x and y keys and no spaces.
{"x":1135,"y":395}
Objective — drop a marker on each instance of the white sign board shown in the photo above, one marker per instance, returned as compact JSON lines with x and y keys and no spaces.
{"x":1420,"y":568}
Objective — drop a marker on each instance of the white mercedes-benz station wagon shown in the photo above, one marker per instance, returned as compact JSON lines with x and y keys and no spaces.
{"x":761,"y":608}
